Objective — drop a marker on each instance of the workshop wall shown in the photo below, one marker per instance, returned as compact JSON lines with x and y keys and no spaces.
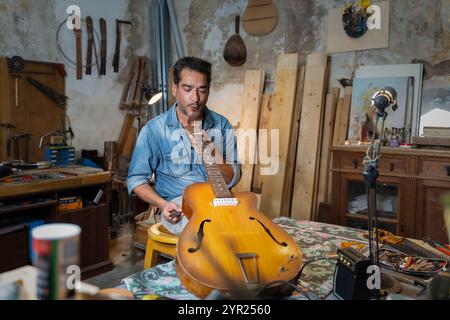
{"x":29,"y":29}
{"x":418,"y":29}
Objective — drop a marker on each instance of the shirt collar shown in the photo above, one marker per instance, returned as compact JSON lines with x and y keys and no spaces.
{"x":172,"y":119}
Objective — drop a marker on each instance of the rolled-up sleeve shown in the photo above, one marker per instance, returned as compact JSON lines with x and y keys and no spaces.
{"x":143,"y":161}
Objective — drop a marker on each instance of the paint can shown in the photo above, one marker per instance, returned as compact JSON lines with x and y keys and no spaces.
{"x":55,"y":252}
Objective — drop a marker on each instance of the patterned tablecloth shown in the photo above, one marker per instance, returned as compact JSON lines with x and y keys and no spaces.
{"x":316,"y":240}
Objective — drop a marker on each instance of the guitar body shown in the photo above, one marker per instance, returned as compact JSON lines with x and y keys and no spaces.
{"x":233,"y":248}
{"x":260,"y":17}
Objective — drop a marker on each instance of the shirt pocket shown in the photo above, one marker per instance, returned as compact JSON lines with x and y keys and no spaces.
{"x":176,"y":164}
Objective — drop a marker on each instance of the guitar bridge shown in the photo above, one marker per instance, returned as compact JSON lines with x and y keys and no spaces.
{"x":225,"y":202}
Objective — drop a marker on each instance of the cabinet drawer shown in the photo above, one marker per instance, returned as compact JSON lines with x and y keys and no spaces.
{"x":352,"y":161}
{"x":434,"y":168}
{"x":387,"y":164}
{"x":392,"y":165}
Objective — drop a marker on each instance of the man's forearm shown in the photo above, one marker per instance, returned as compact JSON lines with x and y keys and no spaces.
{"x":147,"y":194}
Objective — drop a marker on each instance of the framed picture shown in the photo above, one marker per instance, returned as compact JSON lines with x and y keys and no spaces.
{"x":413,"y":71}
{"x":435,"y":111}
{"x":338,"y":41}
{"x":363,"y":90}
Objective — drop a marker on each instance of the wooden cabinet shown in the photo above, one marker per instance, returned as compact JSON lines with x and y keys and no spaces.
{"x":409,"y":190}
{"x":93,"y":220}
{"x":22,"y":205}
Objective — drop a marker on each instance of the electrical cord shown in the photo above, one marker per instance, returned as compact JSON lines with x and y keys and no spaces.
{"x":293,"y":286}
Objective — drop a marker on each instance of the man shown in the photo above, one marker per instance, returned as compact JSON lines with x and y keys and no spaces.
{"x":165,"y":145}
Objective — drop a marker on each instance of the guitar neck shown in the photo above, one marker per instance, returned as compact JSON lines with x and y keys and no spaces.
{"x":213,"y":171}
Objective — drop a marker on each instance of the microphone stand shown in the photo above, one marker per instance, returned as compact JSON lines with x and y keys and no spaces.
{"x":370,"y":175}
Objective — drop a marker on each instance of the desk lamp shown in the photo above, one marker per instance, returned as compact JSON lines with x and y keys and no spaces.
{"x":152,"y":95}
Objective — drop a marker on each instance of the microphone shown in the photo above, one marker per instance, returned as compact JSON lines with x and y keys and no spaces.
{"x":385,"y":98}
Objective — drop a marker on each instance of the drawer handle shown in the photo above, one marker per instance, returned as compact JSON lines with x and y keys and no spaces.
{"x":355,"y":163}
{"x":392,"y":166}
{"x":448,"y":170}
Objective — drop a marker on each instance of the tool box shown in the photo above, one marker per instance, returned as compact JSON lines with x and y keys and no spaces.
{"x":60,"y":155}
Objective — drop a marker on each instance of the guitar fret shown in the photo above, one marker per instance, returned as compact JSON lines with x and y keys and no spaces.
{"x":215,"y":175}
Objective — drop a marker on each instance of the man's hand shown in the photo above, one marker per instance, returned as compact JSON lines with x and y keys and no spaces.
{"x":171,"y":212}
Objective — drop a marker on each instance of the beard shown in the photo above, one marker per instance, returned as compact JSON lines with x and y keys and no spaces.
{"x":191,"y":111}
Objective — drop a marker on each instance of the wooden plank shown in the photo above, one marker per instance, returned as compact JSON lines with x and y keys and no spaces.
{"x":142,"y":78}
{"x":337,"y":124}
{"x":264,"y":123}
{"x":327,"y":139}
{"x":336,"y":92}
{"x":129,"y":142}
{"x":293,"y":143}
{"x":342,"y":118}
{"x":5,"y":105}
{"x":248,"y":126}
{"x":110,"y":155}
{"x":345,"y":115}
{"x":124,"y":133}
{"x":283,"y":102}
{"x":432,"y":141}
{"x":309,"y":142}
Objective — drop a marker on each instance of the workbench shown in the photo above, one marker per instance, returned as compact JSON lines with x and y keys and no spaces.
{"x":32,"y":198}
{"x":316,"y":240}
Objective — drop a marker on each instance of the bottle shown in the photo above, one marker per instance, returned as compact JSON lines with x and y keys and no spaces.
{"x":354,"y":131}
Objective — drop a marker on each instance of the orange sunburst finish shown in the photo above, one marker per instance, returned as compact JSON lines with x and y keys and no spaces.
{"x":218,"y":260}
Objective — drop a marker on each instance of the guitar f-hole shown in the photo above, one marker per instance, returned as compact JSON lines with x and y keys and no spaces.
{"x":200,"y":235}
{"x":284,"y":244}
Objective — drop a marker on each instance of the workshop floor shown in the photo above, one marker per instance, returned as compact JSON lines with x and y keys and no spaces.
{"x":126,"y":259}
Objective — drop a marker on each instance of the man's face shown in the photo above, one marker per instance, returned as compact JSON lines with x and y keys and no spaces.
{"x":191,"y":93}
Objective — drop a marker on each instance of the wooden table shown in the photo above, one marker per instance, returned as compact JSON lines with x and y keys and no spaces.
{"x":27,"y":203}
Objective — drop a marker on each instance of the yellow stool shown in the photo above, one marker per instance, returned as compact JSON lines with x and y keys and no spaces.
{"x":159,"y":241}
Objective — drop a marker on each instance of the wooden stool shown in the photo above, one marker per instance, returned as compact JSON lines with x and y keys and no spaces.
{"x":159,"y":241}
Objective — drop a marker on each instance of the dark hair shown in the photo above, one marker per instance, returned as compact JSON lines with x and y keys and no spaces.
{"x":192,"y":63}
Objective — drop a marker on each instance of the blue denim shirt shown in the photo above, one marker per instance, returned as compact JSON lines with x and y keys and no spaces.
{"x":163,"y":148}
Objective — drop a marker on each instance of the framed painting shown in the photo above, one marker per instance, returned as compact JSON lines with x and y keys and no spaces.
{"x":363,"y":90}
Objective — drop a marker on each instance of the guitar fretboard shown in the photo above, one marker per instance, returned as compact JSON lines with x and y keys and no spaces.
{"x":215,"y":176}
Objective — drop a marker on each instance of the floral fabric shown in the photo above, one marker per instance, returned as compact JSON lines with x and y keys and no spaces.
{"x":316,"y":241}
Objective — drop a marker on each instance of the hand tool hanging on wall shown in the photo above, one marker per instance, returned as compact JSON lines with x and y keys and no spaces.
{"x":78,"y":53}
{"x":8,"y":127}
{"x":16,"y":65}
{"x":116,"y":59}
{"x":90,"y":37}
{"x":103,"y":46}
{"x":58,"y":98}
